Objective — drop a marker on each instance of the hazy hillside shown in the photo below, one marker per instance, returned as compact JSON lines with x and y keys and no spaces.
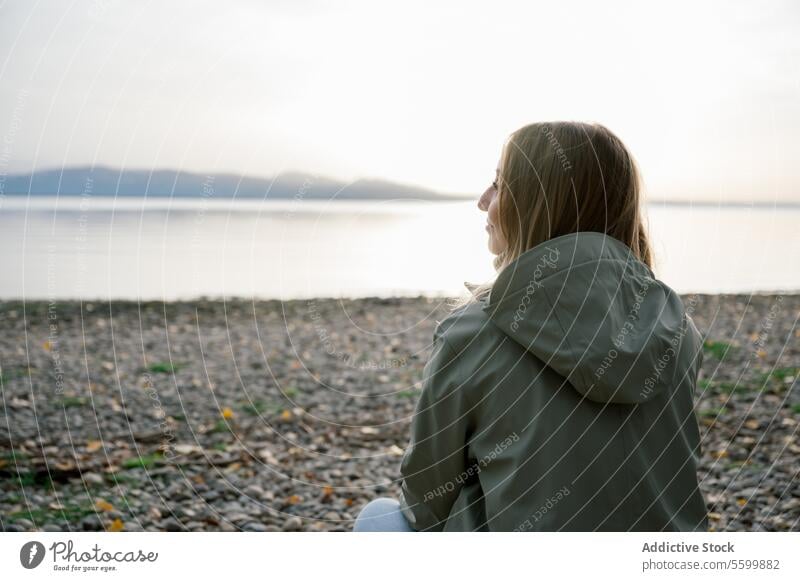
{"x":173,"y":183}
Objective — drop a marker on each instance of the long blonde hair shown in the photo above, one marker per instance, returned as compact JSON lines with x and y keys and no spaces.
{"x":561,"y":177}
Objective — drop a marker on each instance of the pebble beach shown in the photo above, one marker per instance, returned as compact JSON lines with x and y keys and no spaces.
{"x":214,"y":415}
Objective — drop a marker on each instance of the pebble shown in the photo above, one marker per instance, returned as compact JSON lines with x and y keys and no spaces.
{"x":172,"y":525}
{"x":255,"y":527}
{"x":292,"y":523}
{"x":51,"y":528}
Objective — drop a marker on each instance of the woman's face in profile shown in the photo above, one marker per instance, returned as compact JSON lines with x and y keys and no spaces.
{"x":488,"y":203}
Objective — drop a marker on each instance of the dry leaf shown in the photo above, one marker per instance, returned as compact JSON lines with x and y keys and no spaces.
{"x":741,"y":501}
{"x":47,"y":345}
{"x":116,"y":526}
{"x":294,"y":499}
{"x":286,"y":415}
{"x":103,"y":505}
{"x":327,"y":490}
{"x":227,"y":413}
{"x":752,"y":424}
{"x":93,"y":445}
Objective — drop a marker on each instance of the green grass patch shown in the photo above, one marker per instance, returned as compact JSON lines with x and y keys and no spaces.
{"x":775,"y":379}
{"x":796,"y":408}
{"x":70,"y":513}
{"x":166,"y":367}
{"x":744,"y":464}
{"x":14,"y":456}
{"x":712,"y":412}
{"x":146,"y":461}
{"x":220,"y":446}
{"x":407,"y":393}
{"x":9,"y":373}
{"x":74,"y":401}
{"x":115,"y":478}
{"x":220,"y":426}
{"x":27,"y":479}
{"x":257,"y":407}
{"x":727,"y":387}
{"x":718,"y":349}
{"x":781,"y":373}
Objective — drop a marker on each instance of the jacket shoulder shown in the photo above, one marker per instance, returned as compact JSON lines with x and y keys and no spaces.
{"x":466,"y":324}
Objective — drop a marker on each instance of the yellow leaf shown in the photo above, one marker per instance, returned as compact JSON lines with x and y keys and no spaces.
{"x":116,"y":525}
{"x":103,"y":505}
{"x":286,"y":415}
{"x":327,"y":490}
{"x":741,"y":501}
{"x":761,"y":353}
{"x":227,"y":413}
{"x":720,"y":454}
{"x":294,"y":499}
{"x":93,"y":445}
{"x":47,"y":345}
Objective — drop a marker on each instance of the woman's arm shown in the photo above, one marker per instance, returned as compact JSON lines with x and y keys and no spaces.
{"x":434,"y":467}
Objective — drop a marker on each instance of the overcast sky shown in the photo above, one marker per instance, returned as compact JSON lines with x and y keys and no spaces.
{"x":706,"y":95}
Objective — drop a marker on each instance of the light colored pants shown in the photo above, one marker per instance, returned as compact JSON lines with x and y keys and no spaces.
{"x":381,"y":515}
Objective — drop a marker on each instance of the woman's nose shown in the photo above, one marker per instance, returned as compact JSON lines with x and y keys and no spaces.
{"x":483,"y":201}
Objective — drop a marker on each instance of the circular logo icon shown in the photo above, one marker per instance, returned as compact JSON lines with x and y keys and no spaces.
{"x":31,"y":554}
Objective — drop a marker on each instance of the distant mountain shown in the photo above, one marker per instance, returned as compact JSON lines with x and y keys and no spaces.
{"x":179,"y":184}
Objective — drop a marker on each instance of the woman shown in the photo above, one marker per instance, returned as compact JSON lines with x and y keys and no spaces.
{"x":559,"y":398}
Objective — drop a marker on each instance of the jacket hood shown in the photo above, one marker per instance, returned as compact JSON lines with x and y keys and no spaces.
{"x":589,"y":309}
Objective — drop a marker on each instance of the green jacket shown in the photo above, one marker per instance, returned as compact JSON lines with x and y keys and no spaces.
{"x":560,"y":402}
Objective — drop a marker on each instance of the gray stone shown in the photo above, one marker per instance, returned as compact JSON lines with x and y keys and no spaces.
{"x":172,"y":525}
{"x":255,"y":527}
{"x":293,"y":523}
{"x":51,"y":528}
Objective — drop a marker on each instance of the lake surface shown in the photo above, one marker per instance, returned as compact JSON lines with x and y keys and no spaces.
{"x":101,"y":248}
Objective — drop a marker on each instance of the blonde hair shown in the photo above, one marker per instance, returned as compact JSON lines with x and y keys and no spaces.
{"x":562,"y":177}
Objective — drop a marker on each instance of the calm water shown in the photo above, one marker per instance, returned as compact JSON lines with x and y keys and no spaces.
{"x":173,"y":249}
